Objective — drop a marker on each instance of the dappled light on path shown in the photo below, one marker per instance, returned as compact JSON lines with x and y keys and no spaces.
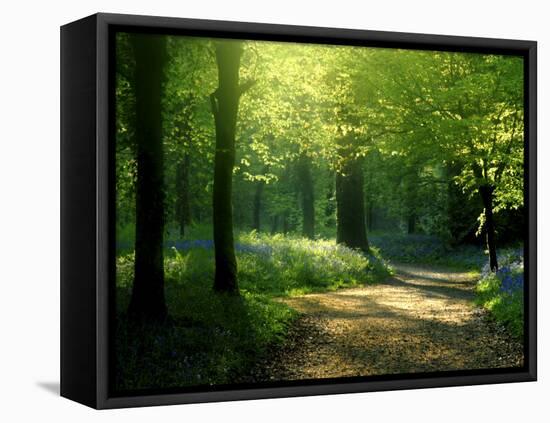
{"x":420,"y":320}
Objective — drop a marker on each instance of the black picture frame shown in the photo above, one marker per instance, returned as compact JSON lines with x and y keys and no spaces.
{"x":87,"y":239}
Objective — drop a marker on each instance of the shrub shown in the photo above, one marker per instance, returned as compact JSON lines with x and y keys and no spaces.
{"x":501,"y":293}
{"x":281,"y":265}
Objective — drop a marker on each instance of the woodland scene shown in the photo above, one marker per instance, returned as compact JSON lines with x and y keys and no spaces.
{"x":291,"y":211}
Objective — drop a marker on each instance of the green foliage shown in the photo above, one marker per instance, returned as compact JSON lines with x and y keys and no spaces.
{"x":501,"y":293}
{"x":211,"y":339}
{"x":431,"y":126}
{"x":274,"y":265}
{"x":280,"y":265}
{"x":506,"y":308}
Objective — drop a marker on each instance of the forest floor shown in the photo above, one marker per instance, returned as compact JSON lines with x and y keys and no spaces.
{"x":421,"y":319}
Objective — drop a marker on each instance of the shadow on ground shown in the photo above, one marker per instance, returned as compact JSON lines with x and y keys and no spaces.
{"x":51,"y":387}
{"x":420,"y":320}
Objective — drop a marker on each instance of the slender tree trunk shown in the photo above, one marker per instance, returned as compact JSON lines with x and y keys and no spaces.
{"x":350,"y":206}
{"x":306,"y":190}
{"x":486,"y":192}
{"x":286,"y":225}
{"x":257,"y":206}
{"x":225,"y":102}
{"x":410,"y":182}
{"x":275,"y":224}
{"x":148,"y":302}
{"x":330,"y":206}
{"x":183,"y":210}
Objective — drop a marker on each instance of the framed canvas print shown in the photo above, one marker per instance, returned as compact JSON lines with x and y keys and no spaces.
{"x":254,"y":211}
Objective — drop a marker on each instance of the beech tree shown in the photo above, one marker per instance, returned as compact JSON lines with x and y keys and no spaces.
{"x":225,"y":104}
{"x":147,"y":300}
{"x":489,"y":117}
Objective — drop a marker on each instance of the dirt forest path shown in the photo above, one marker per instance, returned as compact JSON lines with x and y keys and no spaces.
{"x":422,"y":319}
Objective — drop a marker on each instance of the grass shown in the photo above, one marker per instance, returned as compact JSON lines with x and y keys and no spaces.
{"x":215,"y":339}
{"x":501,"y":293}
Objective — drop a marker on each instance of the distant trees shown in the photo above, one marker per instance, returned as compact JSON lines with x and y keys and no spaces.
{"x":257,"y":204}
{"x":305,"y":181}
{"x":481,"y":125}
{"x":183,"y":208}
{"x":455,"y":118}
{"x":492,"y":105}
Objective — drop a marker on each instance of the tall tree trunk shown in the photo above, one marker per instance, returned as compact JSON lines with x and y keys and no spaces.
{"x":183,"y":210}
{"x":411,"y":183}
{"x":225,"y":103}
{"x":148,"y":302}
{"x":257,"y":206}
{"x":306,"y":190}
{"x":486,"y":192}
{"x":330,"y":205}
{"x":350,"y":206}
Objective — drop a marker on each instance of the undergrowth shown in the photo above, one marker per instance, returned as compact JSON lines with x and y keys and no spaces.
{"x":501,"y":292}
{"x":428,"y":249}
{"x":214,"y":339}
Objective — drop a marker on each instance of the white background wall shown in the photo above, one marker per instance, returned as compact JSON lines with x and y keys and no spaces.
{"x":29,"y":209}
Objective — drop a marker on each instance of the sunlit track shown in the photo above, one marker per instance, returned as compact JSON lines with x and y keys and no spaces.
{"x":420,"y":320}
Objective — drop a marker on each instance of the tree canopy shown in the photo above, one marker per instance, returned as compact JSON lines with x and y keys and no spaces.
{"x":327,"y":142}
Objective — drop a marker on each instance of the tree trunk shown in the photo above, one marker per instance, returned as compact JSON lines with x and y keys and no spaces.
{"x":286,"y":225}
{"x":183,"y":210}
{"x":486,"y":192}
{"x":275,"y":224}
{"x":257,"y":206}
{"x":225,"y":103}
{"x":306,"y":190}
{"x":330,"y":205}
{"x":148,"y":302}
{"x":350,"y":206}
